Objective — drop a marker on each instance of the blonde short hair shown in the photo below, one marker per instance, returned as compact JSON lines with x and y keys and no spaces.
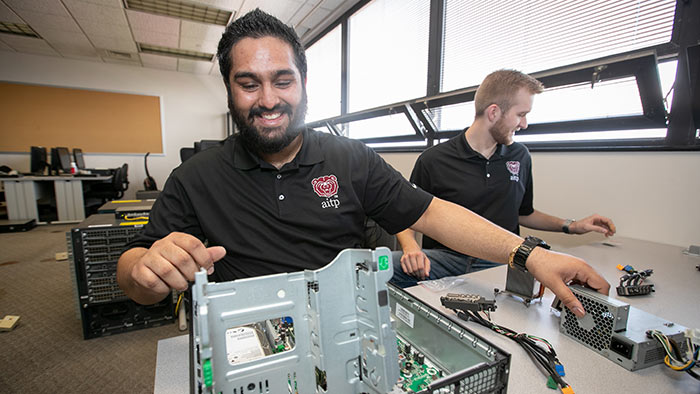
{"x":500,"y":87}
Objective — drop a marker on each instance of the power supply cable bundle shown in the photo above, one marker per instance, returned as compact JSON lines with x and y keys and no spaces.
{"x":675,"y":357}
{"x":469,"y":307}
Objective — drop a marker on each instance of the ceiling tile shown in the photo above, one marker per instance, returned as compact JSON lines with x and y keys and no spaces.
{"x":66,"y":38}
{"x":301,"y":30}
{"x":195,"y":44}
{"x":39,"y":22}
{"x":150,"y":22}
{"x":121,"y":61}
{"x":7,"y":15}
{"x":281,"y":9}
{"x":75,"y":50}
{"x":202,"y":31}
{"x":332,"y":4}
{"x":114,"y":43}
{"x":91,"y":28}
{"x":4,"y":46}
{"x":155,"y":38}
{"x":193,"y":66}
{"x":41,"y":6}
{"x":28,"y":45}
{"x":95,"y":13}
{"x":315,"y":18}
{"x":229,"y":5}
{"x":91,"y":58}
{"x":162,"y":62}
{"x":110,"y":3}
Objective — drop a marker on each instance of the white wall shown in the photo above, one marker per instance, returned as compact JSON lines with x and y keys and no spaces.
{"x":649,"y":195}
{"x":194,"y":106}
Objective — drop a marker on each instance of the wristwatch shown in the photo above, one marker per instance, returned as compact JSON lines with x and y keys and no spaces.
{"x":565,"y":226}
{"x":519,"y":255}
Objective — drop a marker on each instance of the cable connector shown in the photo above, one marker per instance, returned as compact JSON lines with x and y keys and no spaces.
{"x":694,"y":335}
{"x":467,"y":302}
{"x":626,"y":268}
{"x":635,"y":290}
{"x":560,"y":369}
{"x":567,"y":390}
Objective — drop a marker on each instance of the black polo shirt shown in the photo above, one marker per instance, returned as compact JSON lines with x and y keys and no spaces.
{"x":272,"y":221}
{"x":499,"y":189}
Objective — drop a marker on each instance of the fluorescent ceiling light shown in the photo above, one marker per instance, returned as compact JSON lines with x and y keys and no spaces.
{"x":182,"y":10}
{"x":19,"y":29}
{"x":175,"y":52}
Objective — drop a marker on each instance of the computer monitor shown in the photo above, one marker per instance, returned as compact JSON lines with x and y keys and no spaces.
{"x":37,"y":160}
{"x":78,"y":156}
{"x":60,"y":160}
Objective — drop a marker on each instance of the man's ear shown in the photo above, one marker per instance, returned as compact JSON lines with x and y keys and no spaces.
{"x":493,"y":112}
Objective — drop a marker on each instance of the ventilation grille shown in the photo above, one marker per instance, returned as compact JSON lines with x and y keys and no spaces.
{"x":599,"y":336}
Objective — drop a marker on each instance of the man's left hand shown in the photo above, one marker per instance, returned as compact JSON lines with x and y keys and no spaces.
{"x":596,"y":223}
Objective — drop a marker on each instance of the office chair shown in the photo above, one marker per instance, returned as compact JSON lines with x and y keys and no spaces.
{"x":99,"y":193}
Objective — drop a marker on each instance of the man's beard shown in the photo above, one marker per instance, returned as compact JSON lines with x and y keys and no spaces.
{"x":500,"y":133}
{"x":257,"y":140}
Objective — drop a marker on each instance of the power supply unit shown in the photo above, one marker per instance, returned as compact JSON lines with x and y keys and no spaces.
{"x":618,"y":331}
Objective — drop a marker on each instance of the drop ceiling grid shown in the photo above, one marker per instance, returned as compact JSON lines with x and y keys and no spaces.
{"x":86,"y":28}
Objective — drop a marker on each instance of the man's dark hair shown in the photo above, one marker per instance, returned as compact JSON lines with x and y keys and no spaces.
{"x":257,"y":24}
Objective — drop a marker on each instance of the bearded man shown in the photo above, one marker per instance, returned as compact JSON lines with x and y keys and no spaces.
{"x":277,"y":197}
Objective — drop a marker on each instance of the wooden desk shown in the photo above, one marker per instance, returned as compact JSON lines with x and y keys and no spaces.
{"x":22,"y":194}
{"x":676,"y":298}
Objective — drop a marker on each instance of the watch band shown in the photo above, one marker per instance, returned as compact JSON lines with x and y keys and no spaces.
{"x":519,"y":255}
{"x":565,"y":226}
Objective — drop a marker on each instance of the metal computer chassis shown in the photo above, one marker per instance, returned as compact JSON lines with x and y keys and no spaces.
{"x":618,"y":331}
{"x":344,"y":341}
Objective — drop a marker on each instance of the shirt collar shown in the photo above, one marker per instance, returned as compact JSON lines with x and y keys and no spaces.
{"x":309,"y":154}
{"x":467,"y":152}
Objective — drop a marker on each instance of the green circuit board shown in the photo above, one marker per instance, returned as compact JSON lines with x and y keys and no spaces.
{"x":416,"y":372}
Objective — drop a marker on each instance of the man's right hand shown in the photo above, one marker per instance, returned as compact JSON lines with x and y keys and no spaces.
{"x":148,"y":275}
{"x":415,"y":263}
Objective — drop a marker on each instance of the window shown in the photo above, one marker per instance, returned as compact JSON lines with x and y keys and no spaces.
{"x":388,"y":52}
{"x":597,"y":60}
{"x":323,"y":77}
{"x":531,"y":36}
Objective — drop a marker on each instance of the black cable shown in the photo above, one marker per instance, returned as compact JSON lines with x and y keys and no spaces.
{"x":693,"y":374}
{"x":544,"y":359}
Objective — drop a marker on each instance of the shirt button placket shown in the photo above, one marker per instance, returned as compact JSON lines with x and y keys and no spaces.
{"x":280,"y":194}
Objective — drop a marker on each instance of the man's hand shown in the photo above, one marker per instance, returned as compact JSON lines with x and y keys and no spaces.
{"x":555,"y":270}
{"x":415,"y":263}
{"x":596,"y":223}
{"x":147,"y":275}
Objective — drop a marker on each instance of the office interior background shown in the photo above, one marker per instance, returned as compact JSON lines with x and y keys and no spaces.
{"x":368,"y":54}
{"x":370,"y":64}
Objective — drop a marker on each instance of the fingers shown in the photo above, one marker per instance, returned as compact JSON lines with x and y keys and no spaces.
{"x":175,"y":259}
{"x":555,"y":270}
{"x":599,"y":224}
{"x":426,"y":267}
{"x":413,"y":263}
{"x":568,"y":298}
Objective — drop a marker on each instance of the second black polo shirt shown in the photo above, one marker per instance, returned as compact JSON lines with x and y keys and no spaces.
{"x":498,"y":188}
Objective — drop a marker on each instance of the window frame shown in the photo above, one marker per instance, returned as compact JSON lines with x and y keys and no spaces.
{"x":682,"y":123}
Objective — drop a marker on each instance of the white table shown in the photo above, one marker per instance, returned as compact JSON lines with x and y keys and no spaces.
{"x":677,"y":297}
